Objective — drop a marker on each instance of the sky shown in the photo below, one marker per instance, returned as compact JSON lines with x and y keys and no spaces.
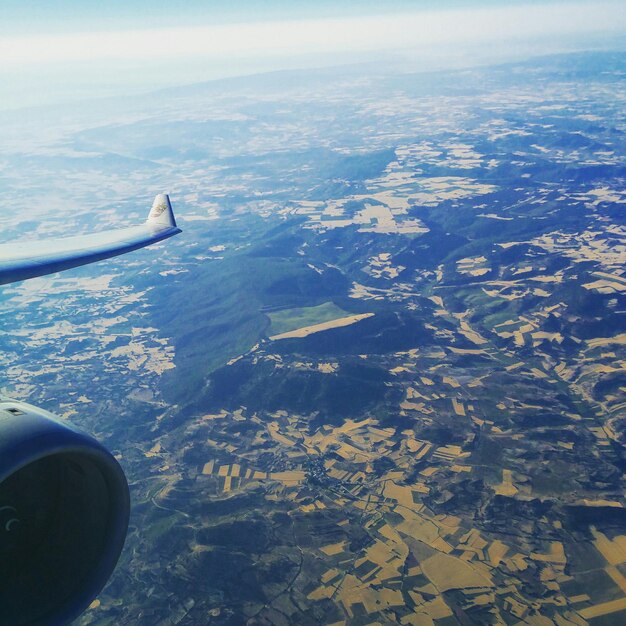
{"x":71,"y":49}
{"x":43,"y":16}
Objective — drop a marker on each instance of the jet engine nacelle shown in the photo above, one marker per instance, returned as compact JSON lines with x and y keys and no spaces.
{"x":64,"y":508}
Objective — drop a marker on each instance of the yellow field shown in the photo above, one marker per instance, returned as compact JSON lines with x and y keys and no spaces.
{"x":496,"y":551}
{"x":613,"y":551}
{"x":156,"y":449}
{"x":457,"y":405}
{"x":333,"y":548}
{"x":617,"y":577}
{"x":418,"y":527}
{"x":556,"y":554}
{"x":605,"y":341}
{"x":603,"y":609}
{"x":464,"y":350}
{"x":273,"y":430}
{"x":318,"y":328}
{"x":605,"y":286}
{"x":327,"y":368}
{"x":506,"y":487}
{"x":447,"y":572}
{"x":471,"y":334}
{"x":292,"y":477}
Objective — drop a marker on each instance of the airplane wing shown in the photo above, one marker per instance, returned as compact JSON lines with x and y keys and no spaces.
{"x":27,"y":259}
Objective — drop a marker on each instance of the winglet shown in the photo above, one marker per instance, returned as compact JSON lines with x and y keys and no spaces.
{"x":161,"y":213}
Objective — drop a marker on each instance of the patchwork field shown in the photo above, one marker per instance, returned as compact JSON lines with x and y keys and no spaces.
{"x":379,"y":378}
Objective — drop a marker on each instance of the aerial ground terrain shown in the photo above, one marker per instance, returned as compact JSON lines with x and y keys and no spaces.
{"x":379,"y":378}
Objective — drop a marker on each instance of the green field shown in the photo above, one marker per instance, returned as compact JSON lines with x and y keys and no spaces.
{"x":291,"y":319}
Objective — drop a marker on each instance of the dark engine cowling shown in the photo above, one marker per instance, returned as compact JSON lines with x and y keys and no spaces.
{"x":64,"y":507}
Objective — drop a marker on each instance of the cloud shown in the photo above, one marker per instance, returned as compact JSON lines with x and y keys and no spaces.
{"x":272,"y":39}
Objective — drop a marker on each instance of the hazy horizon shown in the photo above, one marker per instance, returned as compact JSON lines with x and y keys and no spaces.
{"x":122,"y":52}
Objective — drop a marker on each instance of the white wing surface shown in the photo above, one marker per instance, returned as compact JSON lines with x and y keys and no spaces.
{"x":27,"y":259}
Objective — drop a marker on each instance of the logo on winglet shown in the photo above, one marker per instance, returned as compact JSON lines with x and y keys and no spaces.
{"x":158,"y":209}
{"x":161,"y":214}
